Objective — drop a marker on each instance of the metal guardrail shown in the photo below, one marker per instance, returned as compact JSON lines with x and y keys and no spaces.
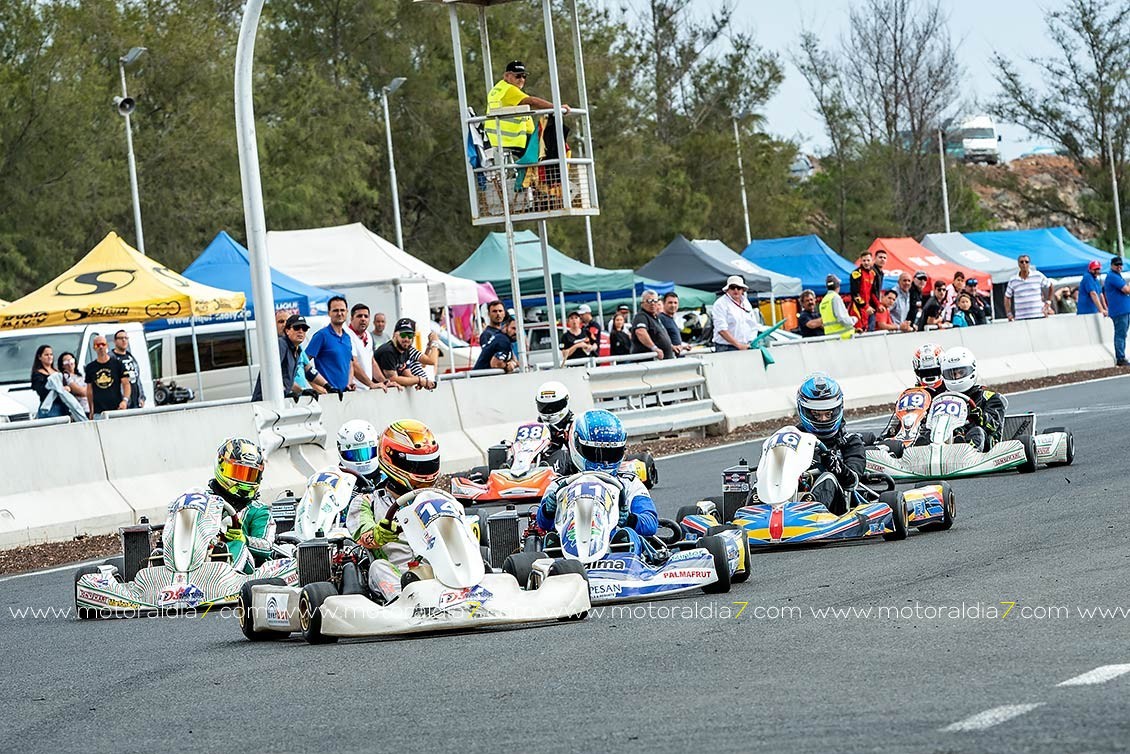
{"x":35,"y":423}
{"x":654,"y":398}
{"x":469,"y":374}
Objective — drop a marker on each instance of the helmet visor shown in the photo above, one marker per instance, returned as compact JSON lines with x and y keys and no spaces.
{"x":551,"y":407}
{"x":929,"y":373}
{"x":240,"y":473}
{"x":416,"y":465}
{"x":602,"y":453}
{"x":359,"y":455}
{"x":953,"y":374}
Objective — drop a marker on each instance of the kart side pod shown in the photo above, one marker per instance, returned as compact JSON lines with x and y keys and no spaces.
{"x":735,"y":488}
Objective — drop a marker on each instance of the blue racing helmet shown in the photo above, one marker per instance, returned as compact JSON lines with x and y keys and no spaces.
{"x":820,"y":405}
{"x":597,"y":441}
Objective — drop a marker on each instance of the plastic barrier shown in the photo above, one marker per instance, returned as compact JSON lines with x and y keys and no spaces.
{"x":861,"y":365}
{"x":655,"y":398}
{"x":1078,"y":342}
{"x":55,"y":486}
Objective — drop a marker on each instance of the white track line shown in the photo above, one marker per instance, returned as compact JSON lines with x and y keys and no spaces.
{"x":1101,"y":674}
{"x":991,"y":717}
{"x":68,"y":567}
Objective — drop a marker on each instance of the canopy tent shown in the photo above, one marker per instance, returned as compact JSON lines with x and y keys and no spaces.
{"x":345,"y":255}
{"x":116,"y":283}
{"x":958,"y":249}
{"x":907,"y":255}
{"x":1053,"y":251}
{"x":781,"y":286}
{"x":491,"y":262}
{"x":685,"y":263}
{"x":805,"y":257}
{"x":689,"y":298}
{"x":224,"y":262}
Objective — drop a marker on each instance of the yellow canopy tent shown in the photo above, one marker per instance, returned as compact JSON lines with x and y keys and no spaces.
{"x":116,"y":283}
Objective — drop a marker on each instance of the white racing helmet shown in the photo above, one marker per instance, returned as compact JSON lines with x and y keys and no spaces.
{"x":959,"y":369}
{"x":357,"y":443}
{"x":553,"y":403}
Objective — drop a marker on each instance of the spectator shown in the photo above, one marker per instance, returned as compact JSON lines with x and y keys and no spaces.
{"x":1026,"y":295}
{"x":620,"y":342}
{"x":883,"y":319}
{"x":332,"y":350}
{"x":297,"y":372}
{"x":72,"y":379}
{"x":648,"y":334}
{"x":1117,"y":293}
{"x":107,"y":384}
{"x":280,"y":322}
{"x":864,"y":292}
{"x":363,"y":350}
{"x":962,"y":315}
{"x":499,"y":353}
{"x":590,"y":325}
{"x":933,"y":311}
{"x":902,"y":310}
{"x":954,"y":288}
{"x":496,"y":315}
{"x":401,"y":362}
{"x":880,"y":263}
{"x":667,"y":319}
{"x":833,"y":312}
{"x":380,"y":336}
{"x":575,"y":343}
{"x":918,"y":296}
{"x":732,"y":314}
{"x":978,"y":310}
{"x":42,"y":367}
{"x":1091,"y":299}
{"x":586,"y":315}
{"x":122,"y":353}
{"x":811,"y":326}
{"x":1064,"y":300}
{"x":621,"y":309}
{"x":514,"y":130}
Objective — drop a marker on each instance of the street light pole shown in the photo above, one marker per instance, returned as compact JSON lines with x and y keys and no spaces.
{"x":385,"y":91}
{"x":945,"y":188}
{"x":1114,"y":187}
{"x":741,"y":178}
{"x":125,"y":105}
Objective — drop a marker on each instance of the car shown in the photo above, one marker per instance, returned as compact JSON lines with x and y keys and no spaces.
{"x":622,"y":569}
{"x":946,"y":456}
{"x":778,"y":510}
{"x":177,"y":566}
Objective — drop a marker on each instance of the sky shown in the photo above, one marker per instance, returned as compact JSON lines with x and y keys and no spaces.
{"x":1013,"y":28}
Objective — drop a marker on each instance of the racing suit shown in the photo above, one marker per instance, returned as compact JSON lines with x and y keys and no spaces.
{"x":864,"y":291}
{"x":986,"y":417}
{"x":250,"y":537}
{"x":840,"y":469}
{"x":638,"y":517}
{"x":557,"y":454}
{"x":390,"y":556}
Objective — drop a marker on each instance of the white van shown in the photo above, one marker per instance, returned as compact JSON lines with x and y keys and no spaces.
{"x":17,"y":352}
{"x":980,"y":141}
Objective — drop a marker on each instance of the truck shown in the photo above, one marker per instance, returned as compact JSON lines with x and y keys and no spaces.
{"x":980,"y":141}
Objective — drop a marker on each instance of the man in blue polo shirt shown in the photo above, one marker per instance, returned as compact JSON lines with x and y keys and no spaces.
{"x":1091,"y":291}
{"x":331,"y":348}
{"x":1117,"y":292}
{"x":497,"y":353}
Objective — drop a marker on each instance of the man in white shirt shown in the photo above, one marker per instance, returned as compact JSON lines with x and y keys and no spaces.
{"x":734,"y":323}
{"x":362,"y":341}
{"x":1027,"y":293}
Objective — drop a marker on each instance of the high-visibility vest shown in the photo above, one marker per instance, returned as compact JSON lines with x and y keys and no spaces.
{"x":833,"y":326}
{"x":515,"y":129}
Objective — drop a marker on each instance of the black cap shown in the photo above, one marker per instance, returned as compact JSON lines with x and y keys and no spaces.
{"x":516,"y":66}
{"x":1117,"y":261}
{"x":295,"y":320}
{"x":970,"y":281}
{"x":920,"y":275}
{"x":404,"y":324}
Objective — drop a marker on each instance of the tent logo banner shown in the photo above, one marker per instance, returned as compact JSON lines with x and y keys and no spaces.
{"x":163,"y":309}
{"x":18,"y":321}
{"x":79,"y":314}
{"x":95,"y":283}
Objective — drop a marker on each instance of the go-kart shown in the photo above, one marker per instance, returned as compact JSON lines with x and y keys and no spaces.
{"x":177,"y":566}
{"x":621,"y":565}
{"x":780,"y":510}
{"x":929,"y":443}
{"x":447,"y":585}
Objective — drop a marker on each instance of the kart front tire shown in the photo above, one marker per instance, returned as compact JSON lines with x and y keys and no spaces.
{"x":310,"y":611}
{"x":716,"y":546}
{"x":744,"y":574}
{"x":562,"y":566}
{"x":520,"y":564}
{"x":243,"y":612}
{"x":1030,"y":461}
{"x":895,"y":502}
{"x":949,"y":507}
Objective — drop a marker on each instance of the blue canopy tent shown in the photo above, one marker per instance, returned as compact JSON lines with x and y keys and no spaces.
{"x":1054,"y":251}
{"x":804,"y":257}
{"x":225,"y":263}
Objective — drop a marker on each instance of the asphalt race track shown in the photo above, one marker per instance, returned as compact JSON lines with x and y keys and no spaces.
{"x":787,"y":674}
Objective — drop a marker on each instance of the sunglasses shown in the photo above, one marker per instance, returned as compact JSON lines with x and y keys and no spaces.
{"x":406,"y":334}
{"x":521,"y":75}
{"x":1024,"y":261}
{"x":303,"y":328}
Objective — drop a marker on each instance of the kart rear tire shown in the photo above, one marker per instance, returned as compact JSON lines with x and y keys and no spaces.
{"x":1030,"y":461}
{"x":895,"y":502}
{"x":949,"y":508}
{"x":652,"y":472}
{"x":243,"y":607}
{"x":310,"y":611}
{"x":1070,"y":446}
{"x":562,"y":566}
{"x":520,"y":564}
{"x":744,"y":574}
{"x":717,"y":549}
{"x":85,"y":613}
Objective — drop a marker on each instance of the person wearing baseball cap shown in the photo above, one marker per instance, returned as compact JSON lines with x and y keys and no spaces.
{"x":1117,"y":293}
{"x":298,"y":373}
{"x":1091,"y":299}
{"x":401,"y":362}
{"x":833,"y":312}
{"x":507,"y":93}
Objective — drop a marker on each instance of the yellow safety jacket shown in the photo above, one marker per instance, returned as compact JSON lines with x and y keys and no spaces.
{"x":833,"y":326}
{"x":515,"y":129}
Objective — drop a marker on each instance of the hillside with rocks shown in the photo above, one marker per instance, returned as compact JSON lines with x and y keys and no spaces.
{"x":1034,"y":192}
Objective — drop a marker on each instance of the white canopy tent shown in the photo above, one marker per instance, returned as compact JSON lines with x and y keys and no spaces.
{"x":346,"y":255}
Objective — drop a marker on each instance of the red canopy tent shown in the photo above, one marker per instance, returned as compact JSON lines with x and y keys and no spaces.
{"x":907,"y":255}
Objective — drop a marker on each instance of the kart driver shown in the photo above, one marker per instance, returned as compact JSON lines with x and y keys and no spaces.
{"x":239,"y":471}
{"x":597,"y":443}
{"x":986,"y":408}
{"x":408,"y":458}
{"x":927,"y":364}
{"x":553,"y":411}
{"x":820,"y":406}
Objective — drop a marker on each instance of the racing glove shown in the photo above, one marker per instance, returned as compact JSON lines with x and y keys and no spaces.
{"x":549,"y":504}
{"x":234,"y":534}
{"x":386,"y":531}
